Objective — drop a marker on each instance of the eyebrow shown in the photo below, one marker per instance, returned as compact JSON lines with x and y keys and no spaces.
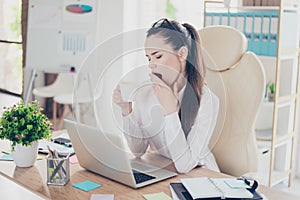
{"x":153,"y":53}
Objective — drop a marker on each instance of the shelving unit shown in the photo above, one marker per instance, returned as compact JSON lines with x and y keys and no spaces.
{"x":273,"y":35}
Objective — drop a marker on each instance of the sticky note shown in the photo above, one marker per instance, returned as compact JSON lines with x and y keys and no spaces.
{"x":157,"y":196}
{"x":73,"y":159}
{"x":102,"y":197}
{"x":7,"y":157}
{"x":39,"y":157}
{"x":236,"y":184}
{"x":86,"y":185}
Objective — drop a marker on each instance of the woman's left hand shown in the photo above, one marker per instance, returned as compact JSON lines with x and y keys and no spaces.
{"x":167,"y":97}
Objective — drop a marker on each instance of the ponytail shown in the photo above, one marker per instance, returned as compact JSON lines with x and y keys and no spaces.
{"x":195,"y":79}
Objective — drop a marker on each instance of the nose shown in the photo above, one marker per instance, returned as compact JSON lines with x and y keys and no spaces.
{"x":152,"y":65}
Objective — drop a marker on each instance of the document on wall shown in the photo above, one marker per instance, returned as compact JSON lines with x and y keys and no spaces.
{"x":204,"y":187}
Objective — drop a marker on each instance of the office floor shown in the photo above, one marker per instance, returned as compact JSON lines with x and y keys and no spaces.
{"x":8,"y":100}
{"x":294,"y":189}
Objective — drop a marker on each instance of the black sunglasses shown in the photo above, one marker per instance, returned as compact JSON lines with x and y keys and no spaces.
{"x":165,"y":23}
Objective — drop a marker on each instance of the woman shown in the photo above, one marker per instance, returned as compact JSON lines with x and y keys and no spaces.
{"x":176,"y":116}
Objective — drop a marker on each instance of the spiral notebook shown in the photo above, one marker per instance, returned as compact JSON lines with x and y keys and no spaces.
{"x":204,"y":187}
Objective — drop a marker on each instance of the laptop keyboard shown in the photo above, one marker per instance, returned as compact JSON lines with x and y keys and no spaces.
{"x":141,"y":177}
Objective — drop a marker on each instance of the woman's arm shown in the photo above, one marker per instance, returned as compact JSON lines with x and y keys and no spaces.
{"x":187,"y":153}
{"x":131,"y":129}
{"x":134,"y":134}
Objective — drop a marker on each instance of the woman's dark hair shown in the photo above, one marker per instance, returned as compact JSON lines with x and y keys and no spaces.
{"x":178,"y":35}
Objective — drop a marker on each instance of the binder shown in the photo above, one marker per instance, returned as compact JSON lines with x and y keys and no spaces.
{"x":179,"y":192}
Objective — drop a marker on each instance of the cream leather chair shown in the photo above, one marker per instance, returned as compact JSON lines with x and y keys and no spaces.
{"x":237,"y":78}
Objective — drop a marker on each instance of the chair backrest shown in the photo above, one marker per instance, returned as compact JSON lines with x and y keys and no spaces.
{"x":62,"y":84}
{"x":237,"y":78}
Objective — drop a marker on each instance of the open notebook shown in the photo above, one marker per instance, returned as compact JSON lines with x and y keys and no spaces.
{"x":222,"y":188}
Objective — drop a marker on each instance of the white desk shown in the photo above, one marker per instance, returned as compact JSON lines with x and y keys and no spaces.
{"x":12,"y":190}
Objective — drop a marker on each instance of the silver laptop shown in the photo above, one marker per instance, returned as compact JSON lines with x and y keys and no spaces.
{"x":105,"y":154}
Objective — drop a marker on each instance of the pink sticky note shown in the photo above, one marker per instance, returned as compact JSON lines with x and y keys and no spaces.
{"x":102,"y":197}
{"x":73,"y":159}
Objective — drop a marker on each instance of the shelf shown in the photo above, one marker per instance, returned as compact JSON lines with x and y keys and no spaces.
{"x":282,"y":69}
{"x":266,"y":136}
{"x":283,"y":139}
{"x":286,"y":99}
{"x":284,"y":56}
{"x":279,"y":176}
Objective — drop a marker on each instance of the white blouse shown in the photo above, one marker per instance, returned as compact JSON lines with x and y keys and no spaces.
{"x":148,"y":126}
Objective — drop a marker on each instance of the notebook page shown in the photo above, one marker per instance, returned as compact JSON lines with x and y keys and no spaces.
{"x":200,"y":188}
{"x":231,"y":192}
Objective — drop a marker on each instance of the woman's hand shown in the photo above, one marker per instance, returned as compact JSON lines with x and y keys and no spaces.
{"x":167,"y":97}
{"x":117,"y":99}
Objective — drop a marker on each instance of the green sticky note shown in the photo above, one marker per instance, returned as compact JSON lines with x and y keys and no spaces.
{"x":157,"y":196}
{"x":86,"y":185}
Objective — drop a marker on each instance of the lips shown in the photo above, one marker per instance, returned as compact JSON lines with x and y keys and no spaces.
{"x":158,"y":75}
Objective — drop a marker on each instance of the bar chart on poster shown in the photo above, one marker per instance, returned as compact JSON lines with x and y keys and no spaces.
{"x":60,"y":34}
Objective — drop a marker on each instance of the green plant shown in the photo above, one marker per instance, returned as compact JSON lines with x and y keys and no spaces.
{"x":272,"y":88}
{"x":24,"y":124}
{"x":170,"y":10}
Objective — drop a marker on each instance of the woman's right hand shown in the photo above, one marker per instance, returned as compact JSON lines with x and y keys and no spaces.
{"x":117,"y":99}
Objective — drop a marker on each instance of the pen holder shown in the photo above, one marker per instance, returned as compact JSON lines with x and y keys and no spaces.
{"x":58,"y":171}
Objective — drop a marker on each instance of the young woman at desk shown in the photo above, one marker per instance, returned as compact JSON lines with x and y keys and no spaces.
{"x":176,"y":116}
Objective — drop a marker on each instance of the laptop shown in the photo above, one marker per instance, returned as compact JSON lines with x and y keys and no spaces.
{"x":105,"y":154}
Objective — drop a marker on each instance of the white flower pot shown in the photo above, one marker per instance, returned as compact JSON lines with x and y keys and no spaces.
{"x":25,"y":156}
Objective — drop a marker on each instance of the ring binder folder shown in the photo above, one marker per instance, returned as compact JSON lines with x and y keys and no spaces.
{"x":215,"y":188}
{"x":260,"y":28}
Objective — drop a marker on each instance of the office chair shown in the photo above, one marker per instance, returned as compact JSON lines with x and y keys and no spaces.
{"x":85,"y":91}
{"x":62,"y":84}
{"x":237,"y":78}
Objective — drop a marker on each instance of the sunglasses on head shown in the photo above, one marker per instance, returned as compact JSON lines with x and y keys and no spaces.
{"x":164,"y":23}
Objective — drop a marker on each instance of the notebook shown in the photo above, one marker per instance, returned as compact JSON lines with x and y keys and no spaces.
{"x":179,"y":192}
{"x":204,"y":187}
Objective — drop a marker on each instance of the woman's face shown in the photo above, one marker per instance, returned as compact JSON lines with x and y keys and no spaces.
{"x":164,"y":62}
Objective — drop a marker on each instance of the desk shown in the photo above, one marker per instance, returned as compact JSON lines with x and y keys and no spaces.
{"x":34,"y":178}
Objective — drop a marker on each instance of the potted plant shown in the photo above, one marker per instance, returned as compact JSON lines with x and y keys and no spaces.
{"x":24,"y":126}
{"x":272,"y":91}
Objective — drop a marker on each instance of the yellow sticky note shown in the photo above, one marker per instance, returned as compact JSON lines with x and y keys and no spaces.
{"x":157,"y":196}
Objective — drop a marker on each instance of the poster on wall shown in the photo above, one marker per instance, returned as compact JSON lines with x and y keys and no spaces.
{"x":60,"y":34}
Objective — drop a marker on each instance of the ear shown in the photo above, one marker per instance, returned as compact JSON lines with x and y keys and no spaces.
{"x":182,"y":53}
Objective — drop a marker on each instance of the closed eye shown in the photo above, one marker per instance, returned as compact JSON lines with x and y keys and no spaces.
{"x":158,"y":57}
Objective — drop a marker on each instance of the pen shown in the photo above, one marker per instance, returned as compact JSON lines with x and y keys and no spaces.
{"x":52,"y":156}
{"x":59,"y":166}
{"x":57,"y":156}
{"x":6,"y":152}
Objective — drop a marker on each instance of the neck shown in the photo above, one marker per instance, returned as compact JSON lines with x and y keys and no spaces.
{"x":181,"y":81}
